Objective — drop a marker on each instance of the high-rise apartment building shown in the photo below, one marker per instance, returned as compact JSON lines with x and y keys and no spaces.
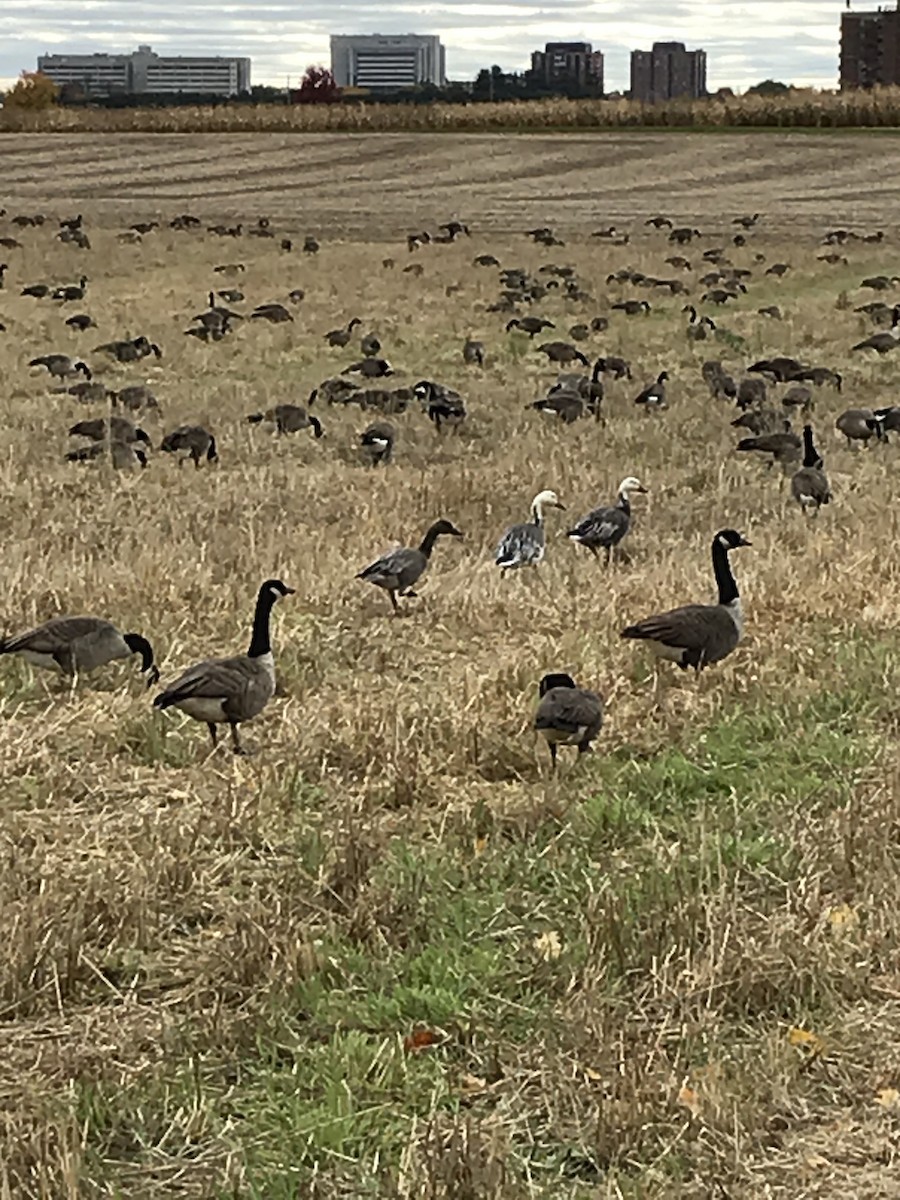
{"x":870,"y":48}
{"x":145,"y":72}
{"x":387,"y":62}
{"x":668,"y":72}
{"x":568,"y":66}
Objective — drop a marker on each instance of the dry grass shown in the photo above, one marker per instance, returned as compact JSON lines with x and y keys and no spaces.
{"x":211,"y":965}
{"x":801,"y":109}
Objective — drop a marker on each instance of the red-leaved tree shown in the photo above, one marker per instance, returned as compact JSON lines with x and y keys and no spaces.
{"x":316,"y":87}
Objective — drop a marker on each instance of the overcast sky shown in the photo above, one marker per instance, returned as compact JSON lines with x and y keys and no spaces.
{"x":746,"y":40}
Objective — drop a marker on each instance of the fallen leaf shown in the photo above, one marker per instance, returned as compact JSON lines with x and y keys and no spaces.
{"x":548,"y":945}
{"x":471,"y":1085}
{"x":843,"y":917}
{"x":806,"y":1040}
{"x":688,"y":1098}
{"x":420,"y":1039}
{"x":888,"y":1098}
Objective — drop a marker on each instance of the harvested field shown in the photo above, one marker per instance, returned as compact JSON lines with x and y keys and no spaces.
{"x":390,"y":954}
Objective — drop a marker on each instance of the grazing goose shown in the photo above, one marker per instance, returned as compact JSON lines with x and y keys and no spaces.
{"x":61,"y":366}
{"x":699,"y":328}
{"x":588,"y":389}
{"x":130,"y":350}
{"x":751,"y":393}
{"x":759,"y":420}
{"x":524,"y":545}
{"x":654,"y":396}
{"x":809,"y":485}
{"x":567,"y":406}
{"x":606,"y":526}
{"x":610,"y":365}
{"x":342,"y":337}
{"x":881,"y":343}
{"x":567,"y":715}
{"x":399,"y":569}
{"x":117,"y":429}
{"x":231,"y":690}
{"x":134,"y":397}
{"x":81,"y":322}
{"x":798,"y":395}
{"x":190,"y":441}
{"x":697,"y":635}
{"x":275,"y":314}
{"x":784,"y":448}
{"x":820,"y":377}
{"x":88,"y":391}
{"x":370,"y":368}
{"x":71,"y":291}
{"x":860,"y":425}
{"x":38,"y":291}
{"x":288,"y":418}
{"x":746,"y":222}
{"x":443,"y":405}
{"x":124,"y":456}
{"x":369,"y":345}
{"x":76,"y":645}
{"x":530,"y":325}
{"x":632,"y":308}
{"x":377,"y":442}
{"x":781,"y":369}
{"x":473,"y":353}
{"x":563,"y":352}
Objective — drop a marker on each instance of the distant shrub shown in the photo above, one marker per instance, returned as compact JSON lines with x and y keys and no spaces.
{"x":32,"y":92}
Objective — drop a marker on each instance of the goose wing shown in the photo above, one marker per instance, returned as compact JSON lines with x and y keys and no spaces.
{"x":603,"y":526}
{"x":570,"y":712}
{"x":398,"y":568}
{"x":702,"y":632}
{"x":242,"y":685}
{"x":521,"y":544}
{"x":54,"y":635}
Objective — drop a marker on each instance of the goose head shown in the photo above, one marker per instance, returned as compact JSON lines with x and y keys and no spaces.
{"x":546,"y":499}
{"x":629,"y":485}
{"x":555,"y":680}
{"x":730,"y":539}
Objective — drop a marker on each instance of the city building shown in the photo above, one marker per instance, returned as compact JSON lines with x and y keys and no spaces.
{"x":870,"y":48}
{"x":144,"y":72}
{"x":667,"y":72}
{"x":569,"y":67}
{"x":386,"y":61}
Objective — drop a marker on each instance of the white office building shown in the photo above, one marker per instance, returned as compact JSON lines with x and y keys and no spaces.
{"x":386,"y":61}
{"x":144,"y":72}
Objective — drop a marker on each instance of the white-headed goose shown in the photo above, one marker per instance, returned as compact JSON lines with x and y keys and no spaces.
{"x":567,"y":715}
{"x":605,"y":527}
{"x":524,"y":545}
{"x":75,"y":645}
{"x":399,"y":569}
{"x":697,"y":635}
{"x":230,"y":691}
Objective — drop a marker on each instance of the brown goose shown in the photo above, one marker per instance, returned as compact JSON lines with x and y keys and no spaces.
{"x":809,"y":485}
{"x":567,"y":715}
{"x":117,"y":429}
{"x":399,"y":569}
{"x":76,"y":645}
{"x":342,"y":337}
{"x":190,"y":441}
{"x":288,"y":418}
{"x":530,"y":325}
{"x":860,"y":425}
{"x":61,"y":366}
{"x":563,"y":352}
{"x":783,"y":448}
{"x":881,"y":343}
{"x":697,"y":635}
{"x":124,"y":456}
{"x":473,"y":353}
{"x":230,"y":691}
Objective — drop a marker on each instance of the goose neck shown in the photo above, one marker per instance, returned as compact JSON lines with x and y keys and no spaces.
{"x":537,"y":513}
{"x":260,"y":642}
{"x":429,"y":540}
{"x":624,"y":502}
{"x":725,"y":581}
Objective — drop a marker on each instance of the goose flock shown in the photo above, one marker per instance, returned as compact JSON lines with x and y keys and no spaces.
{"x":762,"y":397}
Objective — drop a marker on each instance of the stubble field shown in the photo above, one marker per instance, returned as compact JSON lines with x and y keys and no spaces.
{"x":389,"y":955}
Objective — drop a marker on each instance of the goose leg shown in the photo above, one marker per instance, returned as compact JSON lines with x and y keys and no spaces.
{"x":212,"y":733}
{"x":394,"y":601}
{"x":552,"y":756}
{"x":236,"y":739}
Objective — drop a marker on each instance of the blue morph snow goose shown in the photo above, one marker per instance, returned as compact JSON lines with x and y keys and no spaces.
{"x":524,"y":545}
{"x":606,"y":526}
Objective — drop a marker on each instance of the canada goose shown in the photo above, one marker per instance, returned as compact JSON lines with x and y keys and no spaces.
{"x":370,"y":368}
{"x":341,"y":337}
{"x":617,"y":367}
{"x":746,"y":222}
{"x":606,"y":526}
{"x":124,"y":456}
{"x":631,"y":308}
{"x":230,"y":269}
{"x":579,"y":333}
{"x":809,"y":485}
{"x":697,"y":635}
{"x":71,"y":291}
{"x":770,"y":310}
{"x":820,"y":377}
{"x":117,"y":429}
{"x":486,"y":260}
{"x":654,"y":396}
{"x":88,"y":391}
{"x":190,"y":441}
{"x":335,"y":391}
{"x":781,"y":369}
{"x":778,"y":269}
{"x":880,"y":283}
{"x":784,"y":448}
{"x":679,"y":262}
{"x":38,"y":291}
{"x":369,"y":345}
{"x":399,"y":569}
{"x":524,"y":545}
{"x":587,"y":388}
{"x":10,"y":243}
{"x":377,"y":442}
{"x":60,"y":366}
{"x":530,"y":325}
{"x":684,"y":235}
{"x":144,"y":227}
{"x":860,"y":425}
{"x":562,"y":352}
{"x":275,"y":314}
{"x":129,"y":349}
{"x":288,"y":418}
{"x":798,"y":395}
{"x":231,"y":690}
{"x":231,"y":296}
{"x":386,"y":400}
{"x":759,"y":421}
{"x":882,"y":343}
{"x":443,"y":405}
{"x":473,"y":353}
{"x":750,"y":393}
{"x":296,"y":295}
{"x":81,"y":322}
{"x":567,"y":406}
{"x":415,"y":240}
{"x":719,"y":296}
{"x":76,"y":645}
{"x":659,"y":222}
{"x":134,"y":397}
{"x":888,"y":419}
{"x":414,"y":269}
{"x":699,"y":328}
{"x":567,"y":715}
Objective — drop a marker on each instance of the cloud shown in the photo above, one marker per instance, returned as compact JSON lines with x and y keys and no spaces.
{"x":745,"y":40}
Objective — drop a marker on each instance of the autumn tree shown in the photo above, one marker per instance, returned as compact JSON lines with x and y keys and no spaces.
{"x":316,"y":87}
{"x":33,"y":91}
